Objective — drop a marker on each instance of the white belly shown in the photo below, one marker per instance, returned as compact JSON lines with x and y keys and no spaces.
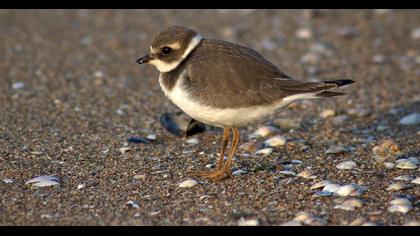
{"x":229,"y":117}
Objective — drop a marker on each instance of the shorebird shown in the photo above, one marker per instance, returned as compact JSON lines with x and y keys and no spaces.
{"x":225,"y":85}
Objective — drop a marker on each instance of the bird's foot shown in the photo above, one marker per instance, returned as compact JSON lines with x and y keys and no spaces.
{"x":215,"y":175}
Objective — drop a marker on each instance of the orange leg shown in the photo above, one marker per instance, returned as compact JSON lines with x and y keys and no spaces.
{"x":226,"y":133}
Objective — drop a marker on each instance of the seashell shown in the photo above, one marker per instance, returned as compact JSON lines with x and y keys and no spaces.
{"x":389,"y":165}
{"x":251,"y":146}
{"x":400,"y":201}
{"x":18,"y":85}
{"x":350,"y":204}
{"x":416,"y":180}
{"x":336,"y":150}
{"x":349,"y":190}
{"x":80,"y":186}
{"x":123,"y":150}
{"x":307,"y":174}
{"x":151,"y":136}
{"x":405,"y":164}
{"x":132,"y":204}
{"x":309,"y":219}
{"x":139,"y":177}
{"x":414,"y":160}
{"x":265,"y":131}
{"x":44,"y":181}
{"x":404,"y":178}
{"x":327,"y":113}
{"x":347,"y":165}
{"x":304,"y":33}
{"x":239,"y":172}
{"x":292,"y":223}
{"x":180,"y":124}
{"x":8,"y":181}
{"x":411,"y":119}
{"x":188,"y":183}
{"x":287,"y":172}
{"x":400,"y":208}
{"x":332,"y":188}
{"x":320,"y":184}
{"x":192,"y":141}
{"x":275,"y":141}
{"x":249,"y":222}
{"x":398,"y":186}
{"x":137,"y":140}
{"x":264,"y":151}
{"x":324,"y":193}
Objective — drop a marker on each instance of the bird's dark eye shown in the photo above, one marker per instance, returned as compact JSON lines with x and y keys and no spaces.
{"x":166,"y":50}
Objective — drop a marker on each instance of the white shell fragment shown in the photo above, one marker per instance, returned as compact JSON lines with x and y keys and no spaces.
{"x":336,"y":150}
{"x":404,"y":178}
{"x":123,"y":150}
{"x":350,"y":204}
{"x":80,"y":186}
{"x":412,"y":119}
{"x":151,"y":136}
{"x":265,"y":131}
{"x":303,"y":33}
{"x":188,"y":183}
{"x":192,"y":141}
{"x":132,"y":204}
{"x":44,"y":181}
{"x":247,"y":222}
{"x":264,"y":151}
{"x":8,"y":181}
{"x":320,"y":184}
{"x":18,"y":85}
{"x":239,"y":172}
{"x":398,"y":186}
{"x":389,"y":165}
{"x":327,"y":113}
{"x":332,"y":188}
{"x":347,"y":165}
{"x":402,"y":205}
{"x":309,"y":219}
{"x":287,"y":172}
{"x":275,"y":141}
{"x":349,"y":190}
{"x":416,"y":180}
{"x":405,"y":164}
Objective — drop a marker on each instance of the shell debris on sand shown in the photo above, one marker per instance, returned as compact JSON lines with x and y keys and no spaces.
{"x":320,"y":184}
{"x":327,"y":113}
{"x":307,"y":174}
{"x":264,"y":151}
{"x":402,"y":205}
{"x":44,"y":181}
{"x":336,"y":150}
{"x":247,"y":222}
{"x":398,"y":186}
{"x":350,"y":190}
{"x":405,"y":164}
{"x":123,"y":150}
{"x":404,"y":178}
{"x":309,"y":219}
{"x":347,"y":165}
{"x":265,"y":131}
{"x":416,"y":180}
{"x":188,"y":183}
{"x":350,"y":204}
{"x":275,"y":141}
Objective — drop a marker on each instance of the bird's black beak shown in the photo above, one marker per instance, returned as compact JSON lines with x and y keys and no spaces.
{"x":144,"y":59}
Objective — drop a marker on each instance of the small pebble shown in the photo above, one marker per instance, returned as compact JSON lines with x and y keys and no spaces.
{"x":264,"y":151}
{"x":389,"y":165}
{"x":378,"y":59}
{"x":336,"y":150}
{"x":265,"y":131}
{"x":327,"y":113}
{"x":8,"y":181}
{"x":188,"y":183}
{"x":411,"y":119}
{"x":139,"y":177}
{"x":151,"y":136}
{"x":275,"y":141}
{"x":347,"y":165}
{"x":123,"y":150}
{"x":247,"y":222}
{"x":320,"y":184}
{"x":80,"y":186}
{"x":398,"y":186}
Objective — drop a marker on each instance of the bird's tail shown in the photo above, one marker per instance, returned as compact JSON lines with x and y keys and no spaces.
{"x":338,"y":83}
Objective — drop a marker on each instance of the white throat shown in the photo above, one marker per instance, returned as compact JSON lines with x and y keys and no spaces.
{"x":166,"y":67}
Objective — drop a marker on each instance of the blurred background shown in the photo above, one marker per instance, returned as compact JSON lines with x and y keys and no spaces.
{"x":71,"y":94}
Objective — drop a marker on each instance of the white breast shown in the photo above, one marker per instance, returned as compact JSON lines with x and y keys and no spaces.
{"x":229,"y":117}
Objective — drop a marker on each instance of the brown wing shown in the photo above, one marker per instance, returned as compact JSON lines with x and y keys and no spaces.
{"x":230,"y":75}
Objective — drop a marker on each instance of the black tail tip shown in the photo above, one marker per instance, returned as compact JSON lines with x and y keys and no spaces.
{"x":340,"y":82}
